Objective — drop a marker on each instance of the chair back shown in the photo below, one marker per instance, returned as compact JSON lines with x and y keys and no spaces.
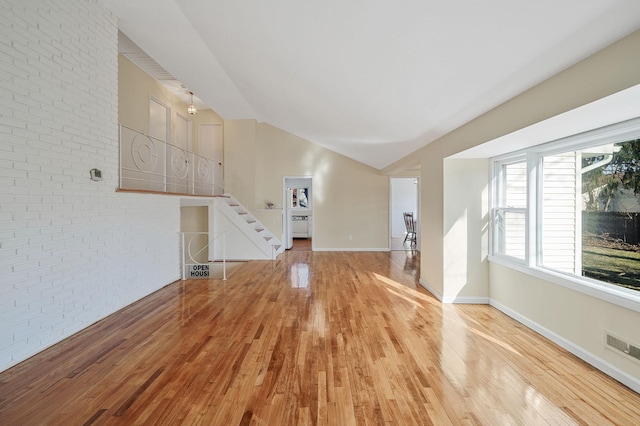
{"x":409,"y":223}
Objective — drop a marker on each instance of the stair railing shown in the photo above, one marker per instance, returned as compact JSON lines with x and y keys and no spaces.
{"x":192,"y":266}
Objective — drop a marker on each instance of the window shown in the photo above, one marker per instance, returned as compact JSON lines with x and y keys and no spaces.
{"x":510,"y":211}
{"x":573,"y":206}
{"x":299,"y":198}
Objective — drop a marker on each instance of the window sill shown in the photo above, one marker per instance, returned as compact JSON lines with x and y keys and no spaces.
{"x":608,"y":292}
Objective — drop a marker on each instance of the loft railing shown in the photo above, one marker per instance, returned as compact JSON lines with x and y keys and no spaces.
{"x":197,"y":250}
{"x":147,"y":163}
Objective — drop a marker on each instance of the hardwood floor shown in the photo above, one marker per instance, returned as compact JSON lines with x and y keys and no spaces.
{"x":301,"y":244}
{"x":311,"y":338}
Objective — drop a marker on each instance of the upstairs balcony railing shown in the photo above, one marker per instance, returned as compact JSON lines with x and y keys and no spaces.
{"x":150,"y":164}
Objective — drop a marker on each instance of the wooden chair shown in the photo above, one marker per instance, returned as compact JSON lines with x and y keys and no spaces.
{"x":410,"y":225}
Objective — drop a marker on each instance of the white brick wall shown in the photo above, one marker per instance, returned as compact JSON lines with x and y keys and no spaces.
{"x":72,"y":251}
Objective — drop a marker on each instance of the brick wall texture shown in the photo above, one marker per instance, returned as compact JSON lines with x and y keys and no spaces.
{"x":72,"y":250}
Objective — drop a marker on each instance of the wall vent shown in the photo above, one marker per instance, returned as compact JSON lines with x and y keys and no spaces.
{"x":618,"y":344}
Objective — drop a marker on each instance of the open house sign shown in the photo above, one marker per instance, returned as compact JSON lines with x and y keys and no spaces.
{"x":198,"y":271}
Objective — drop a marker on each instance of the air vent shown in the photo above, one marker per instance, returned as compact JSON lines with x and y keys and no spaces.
{"x":618,"y":344}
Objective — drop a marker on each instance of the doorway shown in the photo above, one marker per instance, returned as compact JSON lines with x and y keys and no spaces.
{"x":404,"y":198}
{"x":298,"y":210}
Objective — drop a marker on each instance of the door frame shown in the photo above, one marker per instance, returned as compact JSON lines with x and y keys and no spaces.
{"x":416,"y":179}
{"x":287,"y":233}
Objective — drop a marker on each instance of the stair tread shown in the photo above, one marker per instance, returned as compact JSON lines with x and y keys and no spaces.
{"x":247,"y":217}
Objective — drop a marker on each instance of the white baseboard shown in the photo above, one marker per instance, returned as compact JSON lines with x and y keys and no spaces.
{"x":430,"y":289}
{"x":352,"y":249}
{"x":467,"y":300}
{"x":602,"y":365}
{"x":461,"y":300}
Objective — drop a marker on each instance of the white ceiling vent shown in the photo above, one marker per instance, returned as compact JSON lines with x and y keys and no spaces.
{"x":132,"y":52}
{"x":622,"y":346}
{"x":146,"y":63}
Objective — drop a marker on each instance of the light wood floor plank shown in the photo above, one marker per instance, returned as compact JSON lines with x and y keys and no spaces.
{"x":312,"y":338}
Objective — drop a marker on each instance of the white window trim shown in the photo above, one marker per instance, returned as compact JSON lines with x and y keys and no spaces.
{"x":626,"y":298}
{"x":496,"y":197}
{"x":495,"y":213}
{"x":534,"y":182}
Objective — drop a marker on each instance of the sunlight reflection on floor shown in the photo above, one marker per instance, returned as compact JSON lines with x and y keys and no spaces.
{"x":408,"y":291}
{"x":299,"y":275}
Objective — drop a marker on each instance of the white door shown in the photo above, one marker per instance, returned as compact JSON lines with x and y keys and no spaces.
{"x":211,"y":146}
{"x":159,"y":120}
{"x":160,"y":129}
{"x":181,"y":160}
{"x":183,"y":133}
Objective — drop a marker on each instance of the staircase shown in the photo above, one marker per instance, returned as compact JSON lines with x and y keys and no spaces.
{"x":247,"y":238}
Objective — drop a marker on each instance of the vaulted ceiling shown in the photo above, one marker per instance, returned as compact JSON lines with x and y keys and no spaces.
{"x":371,"y":79}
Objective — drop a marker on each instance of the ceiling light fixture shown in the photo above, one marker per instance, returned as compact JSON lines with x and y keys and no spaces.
{"x":191,"y":109}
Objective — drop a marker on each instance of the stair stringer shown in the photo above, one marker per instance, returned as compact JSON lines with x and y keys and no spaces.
{"x":246,"y":238}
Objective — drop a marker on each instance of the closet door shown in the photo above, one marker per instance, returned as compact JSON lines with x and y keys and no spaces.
{"x":160,"y":132}
{"x":183,"y":133}
{"x":182,"y":160}
{"x":159,"y":120}
{"x":211,"y":146}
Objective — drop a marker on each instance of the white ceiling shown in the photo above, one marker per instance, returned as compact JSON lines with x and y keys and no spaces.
{"x":370,"y":79}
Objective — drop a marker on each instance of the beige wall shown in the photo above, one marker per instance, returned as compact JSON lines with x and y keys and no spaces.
{"x":349,"y":198}
{"x":135,"y":87}
{"x":195,"y":219}
{"x":573,"y":317}
{"x":466,"y":217}
{"x":431,"y":219}
{"x":240,"y":160}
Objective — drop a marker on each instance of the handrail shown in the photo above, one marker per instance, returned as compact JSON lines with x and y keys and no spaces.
{"x":148,"y":163}
{"x":187,"y":250}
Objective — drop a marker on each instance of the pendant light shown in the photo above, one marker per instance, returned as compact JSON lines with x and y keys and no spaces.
{"x":191,"y":109}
